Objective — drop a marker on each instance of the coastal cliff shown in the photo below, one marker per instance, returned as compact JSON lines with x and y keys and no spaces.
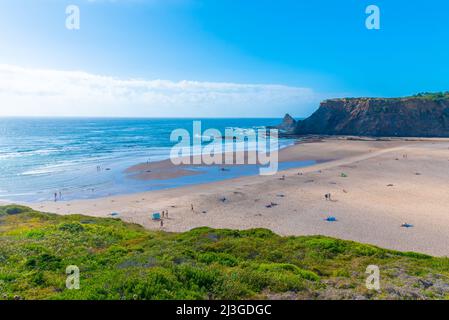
{"x":423,"y":115}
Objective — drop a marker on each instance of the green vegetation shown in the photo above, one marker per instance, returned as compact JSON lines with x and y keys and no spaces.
{"x":435,"y":96}
{"x":124,"y":261}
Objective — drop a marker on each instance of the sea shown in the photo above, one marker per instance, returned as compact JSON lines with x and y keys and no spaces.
{"x":43,"y":156}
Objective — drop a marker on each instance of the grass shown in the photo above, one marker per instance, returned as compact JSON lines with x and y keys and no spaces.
{"x":123,"y":261}
{"x":433,"y":96}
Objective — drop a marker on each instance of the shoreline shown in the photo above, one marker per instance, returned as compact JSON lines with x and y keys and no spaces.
{"x":165,"y":169}
{"x":382,"y":190}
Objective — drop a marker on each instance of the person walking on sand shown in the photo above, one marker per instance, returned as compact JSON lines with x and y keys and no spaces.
{"x":162,"y":223}
{"x":56,"y":197}
{"x":191,"y":206}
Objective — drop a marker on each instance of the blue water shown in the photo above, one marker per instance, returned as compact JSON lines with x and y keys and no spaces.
{"x":41,"y":156}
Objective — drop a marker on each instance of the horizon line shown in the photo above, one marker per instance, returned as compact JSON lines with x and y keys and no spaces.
{"x":130,"y":117}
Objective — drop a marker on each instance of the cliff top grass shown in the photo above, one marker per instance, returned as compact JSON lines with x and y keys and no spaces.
{"x":432,"y":96}
{"x":124,"y":261}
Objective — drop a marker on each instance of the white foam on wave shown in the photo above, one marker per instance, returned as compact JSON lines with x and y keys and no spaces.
{"x":28,"y":153}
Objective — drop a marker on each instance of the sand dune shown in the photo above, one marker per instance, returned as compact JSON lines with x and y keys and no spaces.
{"x":384,"y":184}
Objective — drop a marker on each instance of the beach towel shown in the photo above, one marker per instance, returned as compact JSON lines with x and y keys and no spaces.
{"x":156,"y":216}
{"x":406,"y":225}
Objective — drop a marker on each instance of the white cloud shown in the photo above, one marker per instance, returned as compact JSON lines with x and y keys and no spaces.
{"x":40,"y":92}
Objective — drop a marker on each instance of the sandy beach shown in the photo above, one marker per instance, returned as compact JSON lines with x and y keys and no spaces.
{"x":375,"y":187}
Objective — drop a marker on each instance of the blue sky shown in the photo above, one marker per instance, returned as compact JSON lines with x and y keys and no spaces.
{"x":303,"y":51}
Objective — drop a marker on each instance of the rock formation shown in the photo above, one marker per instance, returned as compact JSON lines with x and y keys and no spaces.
{"x":417,"y":116}
{"x":288,"y":124}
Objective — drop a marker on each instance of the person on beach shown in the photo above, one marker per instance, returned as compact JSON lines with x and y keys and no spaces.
{"x":60,"y":195}
{"x":166,"y":213}
{"x":162,"y":223}
{"x":56,"y":197}
{"x":191,"y":206}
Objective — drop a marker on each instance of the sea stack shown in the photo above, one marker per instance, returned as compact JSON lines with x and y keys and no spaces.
{"x":288,"y":124}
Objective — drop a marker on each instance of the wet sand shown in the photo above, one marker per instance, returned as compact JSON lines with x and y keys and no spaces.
{"x":384,"y":184}
{"x":163,"y":170}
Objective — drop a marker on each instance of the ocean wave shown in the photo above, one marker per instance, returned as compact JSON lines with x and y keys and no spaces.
{"x":66,"y":153}
{"x":27,"y":153}
{"x":38,"y":172}
{"x":51,"y":169}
